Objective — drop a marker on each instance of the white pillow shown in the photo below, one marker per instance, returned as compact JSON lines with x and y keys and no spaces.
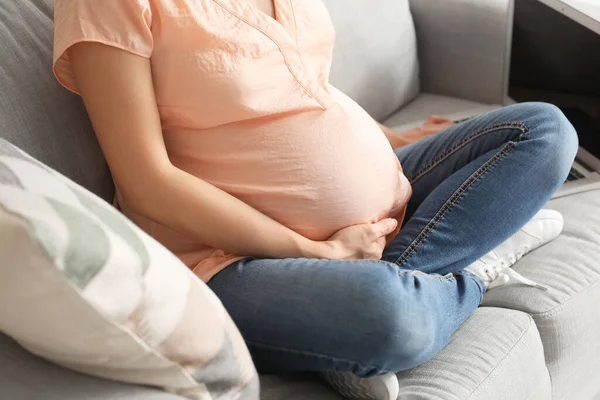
{"x":82,"y":286}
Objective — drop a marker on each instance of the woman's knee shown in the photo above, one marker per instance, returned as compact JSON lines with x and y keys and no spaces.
{"x":402,"y":331}
{"x":553,"y":141}
{"x":554,"y":131}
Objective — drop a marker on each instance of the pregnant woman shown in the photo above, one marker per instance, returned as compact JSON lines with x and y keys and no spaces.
{"x":336,"y":244}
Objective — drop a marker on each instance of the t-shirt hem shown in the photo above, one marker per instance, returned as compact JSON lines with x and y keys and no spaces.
{"x":209,"y":267}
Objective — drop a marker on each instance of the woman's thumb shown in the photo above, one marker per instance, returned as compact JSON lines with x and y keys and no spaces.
{"x":386,"y":226}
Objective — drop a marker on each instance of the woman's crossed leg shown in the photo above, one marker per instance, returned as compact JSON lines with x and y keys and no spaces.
{"x":474,"y":185}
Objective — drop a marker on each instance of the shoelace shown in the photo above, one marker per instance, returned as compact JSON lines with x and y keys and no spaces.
{"x":502,"y":273}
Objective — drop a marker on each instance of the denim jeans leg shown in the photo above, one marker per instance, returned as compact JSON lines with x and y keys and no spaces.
{"x":478,"y":182}
{"x":368,"y":317}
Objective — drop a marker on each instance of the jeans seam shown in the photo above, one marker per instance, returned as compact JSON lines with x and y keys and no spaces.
{"x":478,"y":281}
{"x":372,"y":262}
{"x":312,"y":354}
{"x":441,"y":214}
{"x":416,"y":272}
{"x":448,"y":152}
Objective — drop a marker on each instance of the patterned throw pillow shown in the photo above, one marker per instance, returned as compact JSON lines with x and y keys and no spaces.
{"x":82,"y":286}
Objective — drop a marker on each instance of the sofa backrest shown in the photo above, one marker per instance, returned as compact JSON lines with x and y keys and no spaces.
{"x":375,"y":62}
{"x":375,"y":57}
{"x":36,"y":113}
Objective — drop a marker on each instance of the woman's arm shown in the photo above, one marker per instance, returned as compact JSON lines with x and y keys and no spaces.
{"x":118,"y":93}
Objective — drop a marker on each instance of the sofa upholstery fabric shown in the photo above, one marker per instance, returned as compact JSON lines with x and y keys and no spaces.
{"x":24,"y":376}
{"x":567,"y":315}
{"x":375,"y":58}
{"x":36,"y":113}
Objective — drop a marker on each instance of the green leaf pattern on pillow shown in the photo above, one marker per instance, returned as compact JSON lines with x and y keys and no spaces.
{"x":116,"y":223}
{"x":84,"y":233}
{"x":88,"y":223}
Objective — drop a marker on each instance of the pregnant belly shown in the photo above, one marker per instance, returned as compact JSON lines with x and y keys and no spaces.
{"x":315,"y":172}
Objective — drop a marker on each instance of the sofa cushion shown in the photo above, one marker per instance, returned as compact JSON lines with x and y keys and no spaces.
{"x":375,"y":58}
{"x":495,"y":354}
{"x":568,"y":314}
{"x":427,"y":104}
{"x":36,"y":113}
{"x":24,"y":376}
{"x":302,"y":386}
{"x":82,"y":286}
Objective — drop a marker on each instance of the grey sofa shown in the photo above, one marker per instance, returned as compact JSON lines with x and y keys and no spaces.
{"x":521,"y":344}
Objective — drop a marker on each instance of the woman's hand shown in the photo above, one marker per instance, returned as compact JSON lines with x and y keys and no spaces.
{"x":434,"y":124}
{"x":360,"y":242}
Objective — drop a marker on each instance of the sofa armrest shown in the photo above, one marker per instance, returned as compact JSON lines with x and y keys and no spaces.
{"x":464,"y":47}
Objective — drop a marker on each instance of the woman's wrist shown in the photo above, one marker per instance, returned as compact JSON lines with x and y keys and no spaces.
{"x":315,"y":249}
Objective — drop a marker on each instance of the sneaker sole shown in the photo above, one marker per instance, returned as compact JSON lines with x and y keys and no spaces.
{"x":355,"y":388}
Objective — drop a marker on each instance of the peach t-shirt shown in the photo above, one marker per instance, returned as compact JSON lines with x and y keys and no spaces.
{"x":246,"y":105}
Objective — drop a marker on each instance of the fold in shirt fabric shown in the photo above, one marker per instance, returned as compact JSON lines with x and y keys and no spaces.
{"x":245,"y":104}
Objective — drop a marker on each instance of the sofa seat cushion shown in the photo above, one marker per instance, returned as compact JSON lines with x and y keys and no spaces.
{"x":568,"y":314}
{"x":24,"y":376}
{"x":427,"y":104}
{"x":496,"y":354}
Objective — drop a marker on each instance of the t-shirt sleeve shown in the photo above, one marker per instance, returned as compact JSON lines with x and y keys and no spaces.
{"x":124,"y":24}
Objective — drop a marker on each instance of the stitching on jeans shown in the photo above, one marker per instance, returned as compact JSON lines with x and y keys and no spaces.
{"x":416,"y":272}
{"x":492,"y":128}
{"x":477,"y":280}
{"x":441,"y":214}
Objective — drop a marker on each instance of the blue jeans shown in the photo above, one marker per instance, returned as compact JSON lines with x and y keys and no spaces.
{"x":474,"y":185}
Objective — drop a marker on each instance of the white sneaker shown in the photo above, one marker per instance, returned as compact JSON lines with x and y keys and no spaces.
{"x":383,"y":387}
{"x":494,"y":268}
